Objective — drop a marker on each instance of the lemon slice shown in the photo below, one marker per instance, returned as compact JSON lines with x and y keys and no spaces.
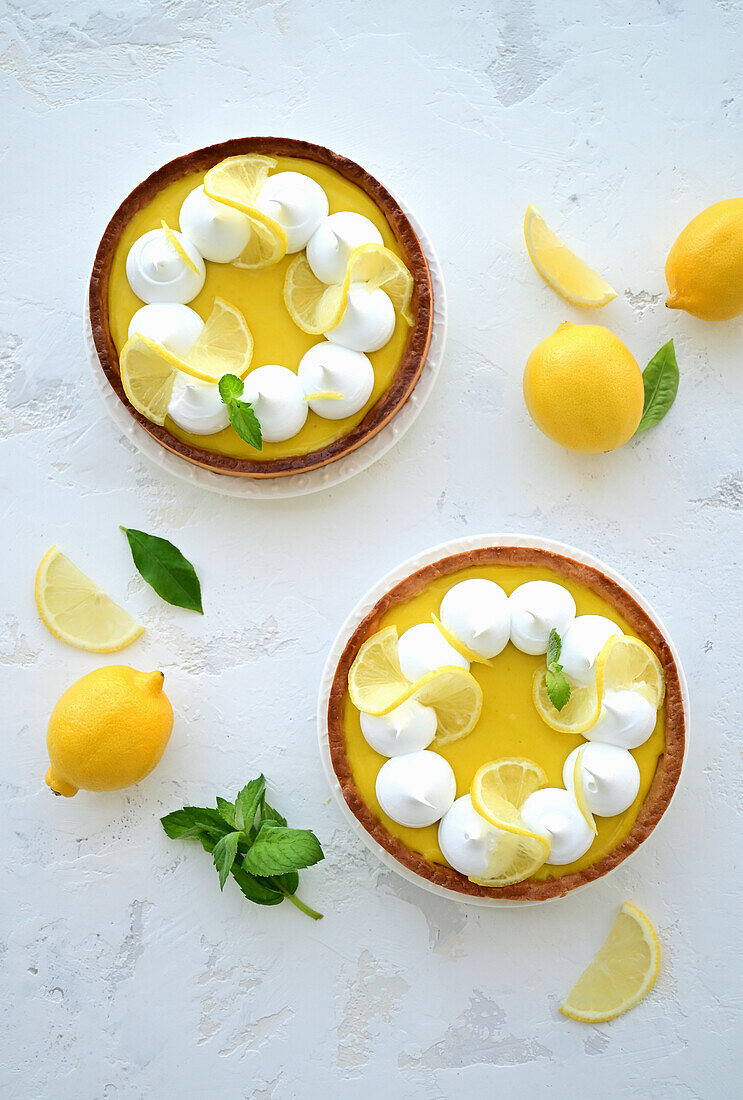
{"x":224,"y":346}
{"x":147,"y":375}
{"x":579,"y":713}
{"x":498,"y":790}
{"x":76,"y":611}
{"x":324,"y":395}
{"x":237,"y":181}
{"x":376,"y":684}
{"x":379,"y":267}
{"x":176,"y":244}
{"x":313,"y":306}
{"x":456,"y":696}
{"x":573,"y":279}
{"x":621,"y":973}
{"x":579,"y":790}
{"x":627,"y":663}
{"x":461,"y":648}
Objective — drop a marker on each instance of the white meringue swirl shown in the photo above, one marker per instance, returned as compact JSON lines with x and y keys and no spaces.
{"x":467,"y":841}
{"x":581,"y":644}
{"x":327,"y":368}
{"x":476,"y":612}
{"x":416,"y":789}
{"x":219,"y":231}
{"x":278,"y":401}
{"x":330,"y":246}
{"x":553,"y":813}
{"x":196,"y":406}
{"x":173,"y":326}
{"x":368,"y":322}
{"x":157,"y":273}
{"x":611,"y":778}
{"x":538,"y":607}
{"x":408,"y":728}
{"x":297,"y":203}
{"x":423,"y":648}
{"x":627,"y":719}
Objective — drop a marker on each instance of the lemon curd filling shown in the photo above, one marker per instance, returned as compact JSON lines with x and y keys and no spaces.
{"x":509,"y":724}
{"x":258,"y":295}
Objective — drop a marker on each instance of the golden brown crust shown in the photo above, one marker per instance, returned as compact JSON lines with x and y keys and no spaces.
{"x":669,"y":763}
{"x":411,"y":363}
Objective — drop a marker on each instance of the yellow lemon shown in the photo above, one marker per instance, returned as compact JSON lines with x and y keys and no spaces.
{"x":583,"y":388}
{"x":704,"y":269}
{"x":108,"y":730}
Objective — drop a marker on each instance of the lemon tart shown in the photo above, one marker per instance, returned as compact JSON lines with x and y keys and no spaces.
{"x":281,"y":267}
{"x":506,"y":722}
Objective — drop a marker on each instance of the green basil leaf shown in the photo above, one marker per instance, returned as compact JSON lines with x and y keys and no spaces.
{"x":245,"y":423}
{"x":661,"y":381}
{"x":278,"y":850}
{"x":248,"y":803}
{"x":256,"y":890}
{"x":194,"y":821}
{"x":558,"y":688}
{"x":227,"y":812}
{"x":164,"y":567}
{"x":230,"y":388}
{"x":224,"y":854}
{"x":268,"y":813}
{"x":554,"y":646}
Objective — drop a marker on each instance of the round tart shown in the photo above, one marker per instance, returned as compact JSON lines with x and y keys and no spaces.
{"x":359,"y":214}
{"x":424,"y":810}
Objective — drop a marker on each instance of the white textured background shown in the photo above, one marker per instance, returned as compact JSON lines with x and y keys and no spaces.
{"x":125,"y":974}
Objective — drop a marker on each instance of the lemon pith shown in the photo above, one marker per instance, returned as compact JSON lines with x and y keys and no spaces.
{"x":565,"y":272}
{"x":108,"y":730}
{"x":76,"y":611}
{"x":622,"y":972}
{"x":704,"y":269}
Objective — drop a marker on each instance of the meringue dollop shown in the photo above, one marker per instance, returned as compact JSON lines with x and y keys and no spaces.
{"x":581,"y":644}
{"x":476,"y":612}
{"x":196,"y":406}
{"x":330,"y":246}
{"x":327,"y":368}
{"x":408,"y":728}
{"x":553,"y":813}
{"x":611,"y":778}
{"x":219,"y":231}
{"x":173,"y":326}
{"x":368,"y":322}
{"x":467,"y":841}
{"x":423,"y":648}
{"x":538,"y":607}
{"x":627,"y":719}
{"x":297,"y":203}
{"x":416,"y":789}
{"x":278,"y":401}
{"x":157,"y":273}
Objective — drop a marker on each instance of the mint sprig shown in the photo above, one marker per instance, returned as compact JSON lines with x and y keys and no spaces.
{"x":242,"y":417}
{"x":557,"y":686}
{"x":251,"y":841}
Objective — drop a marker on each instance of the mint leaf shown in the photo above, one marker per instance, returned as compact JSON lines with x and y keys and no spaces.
{"x":257,"y":890}
{"x":558,"y":688}
{"x":661,"y":381}
{"x":194,"y":821}
{"x":224,"y":854}
{"x":227,"y":812}
{"x":278,"y":850}
{"x":248,"y":802}
{"x":269,"y":814}
{"x":165,"y":569}
{"x":242,"y":417}
{"x":554,"y":648}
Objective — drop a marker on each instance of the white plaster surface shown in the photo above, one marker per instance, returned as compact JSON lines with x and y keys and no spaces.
{"x":125,"y":974}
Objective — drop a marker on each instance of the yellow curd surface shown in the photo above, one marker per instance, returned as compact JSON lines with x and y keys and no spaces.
{"x":509,"y":724}
{"x":259,"y":297}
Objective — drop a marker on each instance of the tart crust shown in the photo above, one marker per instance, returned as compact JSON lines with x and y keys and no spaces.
{"x":414,"y":355}
{"x":667,"y":770}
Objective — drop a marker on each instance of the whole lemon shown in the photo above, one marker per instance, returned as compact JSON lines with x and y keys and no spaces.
{"x":583,"y":388}
{"x":108,"y":730}
{"x":704,"y":269}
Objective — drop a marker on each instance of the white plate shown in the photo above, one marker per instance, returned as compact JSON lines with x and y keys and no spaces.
{"x":293,"y":485}
{"x":362,"y":609}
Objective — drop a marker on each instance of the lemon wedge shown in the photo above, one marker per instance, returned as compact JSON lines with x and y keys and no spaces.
{"x":237,"y":181}
{"x":461,"y":648}
{"x":579,"y":713}
{"x":75,"y":609}
{"x":579,"y":790}
{"x":498,"y":790}
{"x":456,"y":696}
{"x":316,"y":307}
{"x":565,"y":272}
{"x":628,"y":664}
{"x":376,"y":684}
{"x":176,"y":244}
{"x":621,"y":973}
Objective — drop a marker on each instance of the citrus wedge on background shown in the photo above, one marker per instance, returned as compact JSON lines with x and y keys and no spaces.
{"x":237,"y":181}
{"x":565,"y":272}
{"x":621,"y":973}
{"x":579,"y":790}
{"x":77,"y":611}
{"x":456,"y":696}
{"x":579,"y":713}
{"x":376,"y":684}
{"x":498,"y":790}
{"x":628,"y":664}
{"x":461,"y":648}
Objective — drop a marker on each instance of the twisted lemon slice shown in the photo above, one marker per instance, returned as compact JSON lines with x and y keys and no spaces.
{"x":456,"y":696}
{"x":498,"y":791}
{"x":573,"y":279}
{"x":628,"y":664}
{"x":148,"y":370}
{"x":578,"y":715}
{"x":237,"y":181}
{"x":461,"y":648}
{"x":77,"y":611}
{"x":621,"y":973}
{"x":579,"y":790}
{"x":316,"y":307}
